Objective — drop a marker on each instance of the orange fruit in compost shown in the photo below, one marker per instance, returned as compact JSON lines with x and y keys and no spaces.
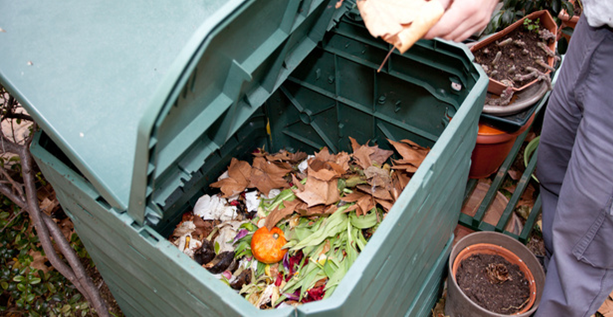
{"x":266,"y":246}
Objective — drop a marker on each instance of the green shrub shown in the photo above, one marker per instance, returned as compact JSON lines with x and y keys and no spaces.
{"x":24,"y":289}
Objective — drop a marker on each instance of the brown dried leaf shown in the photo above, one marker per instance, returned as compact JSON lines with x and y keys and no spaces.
{"x":237,"y":180}
{"x":353,"y":197}
{"x":368,"y":155}
{"x":203,"y":228}
{"x":409,"y":168}
{"x":363,"y":202}
{"x":342,"y":159}
{"x":324,"y":155}
{"x":322,"y":170}
{"x":297,"y":183}
{"x":515,"y":174}
{"x":376,"y":192}
{"x":48,"y":205}
{"x":400,"y":180}
{"x":267,"y":175}
{"x":378,"y":177}
{"x":386,"y":204}
{"x":287,"y":156}
{"x":411,"y":152}
{"x":38,"y":262}
{"x":354,"y":144}
{"x":339,"y":162}
{"x":277,"y":214}
{"x":527,"y":198}
{"x":317,"y":210}
{"x":319,"y":192}
{"x":67,"y":228}
{"x":362,"y":156}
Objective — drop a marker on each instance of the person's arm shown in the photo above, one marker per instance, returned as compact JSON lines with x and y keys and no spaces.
{"x":462,"y":18}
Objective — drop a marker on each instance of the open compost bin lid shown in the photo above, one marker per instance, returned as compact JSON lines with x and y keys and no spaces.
{"x":127,"y":89}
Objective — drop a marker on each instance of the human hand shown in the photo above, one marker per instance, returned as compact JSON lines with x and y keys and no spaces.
{"x":462,"y":18}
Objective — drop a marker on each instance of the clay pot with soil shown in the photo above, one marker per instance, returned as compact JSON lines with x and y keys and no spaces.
{"x":492,"y":274}
{"x":518,"y":56}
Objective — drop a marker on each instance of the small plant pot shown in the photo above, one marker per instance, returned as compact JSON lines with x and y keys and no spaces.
{"x":458,"y":304}
{"x":566,"y":19}
{"x":495,"y":86}
{"x":492,"y":147}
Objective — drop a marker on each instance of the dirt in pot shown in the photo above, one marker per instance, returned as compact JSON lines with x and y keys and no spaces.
{"x":519,"y":57}
{"x":493,"y":283}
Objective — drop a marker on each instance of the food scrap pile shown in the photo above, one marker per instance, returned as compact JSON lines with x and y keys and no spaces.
{"x":285,"y":229}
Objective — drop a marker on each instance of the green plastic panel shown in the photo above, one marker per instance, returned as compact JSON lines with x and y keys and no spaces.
{"x":230,"y":75}
{"x":87,"y":71}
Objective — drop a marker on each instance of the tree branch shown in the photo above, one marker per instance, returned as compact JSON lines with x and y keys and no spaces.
{"x":20,"y":116}
{"x":16,"y":186}
{"x":6,"y":191}
{"x":45,"y":225}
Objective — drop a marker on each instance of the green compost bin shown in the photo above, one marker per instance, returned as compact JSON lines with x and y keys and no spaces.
{"x":143,"y":105}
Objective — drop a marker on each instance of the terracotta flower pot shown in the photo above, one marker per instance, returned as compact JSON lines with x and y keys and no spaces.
{"x":567,"y":20}
{"x":458,"y":304}
{"x":492,"y":147}
{"x":487,"y":248}
{"x":546,"y":20}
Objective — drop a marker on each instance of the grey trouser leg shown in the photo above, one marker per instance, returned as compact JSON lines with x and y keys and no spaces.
{"x":575,"y":168}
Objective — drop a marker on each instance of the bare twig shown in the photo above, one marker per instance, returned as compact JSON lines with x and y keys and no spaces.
{"x":497,"y":58}
{"x":18,"y":187}
{"x":542,"y":63}
{"x":11,"y":220}
{"x":534,"y":73}
{"x":20,"y":116}
{"x":505,"y":42}
{"x":385,"y":59}
{"x":504,"y":100}
{"x":517,"y":307}
{"x":546,"y":48}
{"x":546,"y":35}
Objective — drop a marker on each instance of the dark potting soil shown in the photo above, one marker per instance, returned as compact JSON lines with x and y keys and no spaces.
{"x":514,"y":57}
{"x":493,"y":283}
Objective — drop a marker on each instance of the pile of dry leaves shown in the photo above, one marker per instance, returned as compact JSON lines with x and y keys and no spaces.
{"x":325,"y":205}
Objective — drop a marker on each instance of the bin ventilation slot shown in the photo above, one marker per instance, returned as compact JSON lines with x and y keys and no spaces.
{"x":103,"y":203}
{"x":149,"y":236}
